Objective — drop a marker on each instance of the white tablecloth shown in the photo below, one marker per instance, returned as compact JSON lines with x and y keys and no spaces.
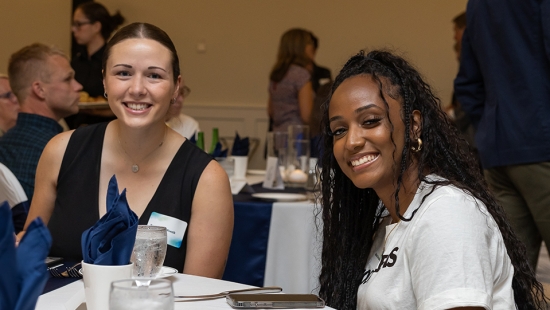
{"x":71,"y":297}
{"x":293,"y":249}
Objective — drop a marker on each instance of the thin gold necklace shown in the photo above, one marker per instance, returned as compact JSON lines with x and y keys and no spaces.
{"x":386,"y":239}
{"x":135,"y":166}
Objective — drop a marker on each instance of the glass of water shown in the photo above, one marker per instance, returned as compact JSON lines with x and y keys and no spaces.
{"x":277,"y":142}
{"x":149,"y":251}
{"x":130,"y":295}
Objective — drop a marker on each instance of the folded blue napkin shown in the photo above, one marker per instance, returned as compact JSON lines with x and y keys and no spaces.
{"x":111,"y":240}
{"x":240,"y":146}
{"x":218,"y":152}
{"x":24,"y":272}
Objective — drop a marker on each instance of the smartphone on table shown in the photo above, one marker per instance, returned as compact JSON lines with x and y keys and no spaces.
{"x":274,"y":301}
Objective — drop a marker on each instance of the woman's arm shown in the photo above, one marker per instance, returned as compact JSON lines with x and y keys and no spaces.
{"x":45,"y":190}
{"x":211,"y":225}
{"x":305,"y":101}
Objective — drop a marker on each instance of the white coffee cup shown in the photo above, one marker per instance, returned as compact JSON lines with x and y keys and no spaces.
{"x":97,"y":282}
{"x":241,"y":164}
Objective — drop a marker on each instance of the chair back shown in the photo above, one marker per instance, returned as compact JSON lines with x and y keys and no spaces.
{"x":12,"y":192}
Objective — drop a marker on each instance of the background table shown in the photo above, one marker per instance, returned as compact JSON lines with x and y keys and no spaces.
{"x":274,"y":244}
{"x":71,"y":297}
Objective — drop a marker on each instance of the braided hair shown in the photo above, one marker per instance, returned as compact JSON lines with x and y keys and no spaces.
{"x":351,"y":215}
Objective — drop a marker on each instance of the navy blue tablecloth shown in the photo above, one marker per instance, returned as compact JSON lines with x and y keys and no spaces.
{"x":248,"y":251}
{"x":55,"y":283}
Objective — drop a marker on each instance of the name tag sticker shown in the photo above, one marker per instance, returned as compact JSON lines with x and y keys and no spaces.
{"x":175,"y":228}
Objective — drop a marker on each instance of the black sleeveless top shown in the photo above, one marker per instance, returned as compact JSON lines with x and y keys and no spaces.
{"x":77,"y":208}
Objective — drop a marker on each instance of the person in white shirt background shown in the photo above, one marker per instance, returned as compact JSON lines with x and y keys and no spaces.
{"x":183,"y":124}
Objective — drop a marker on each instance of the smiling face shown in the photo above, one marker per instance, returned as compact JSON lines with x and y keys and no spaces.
{"x":368,"y":136}
{"x":139,"y":81}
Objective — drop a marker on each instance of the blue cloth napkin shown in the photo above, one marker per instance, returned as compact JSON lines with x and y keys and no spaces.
{"x":24,"y":271}
{"x":240,"y":146}
{"x":218,"y":152}
{"x":111,"y":240}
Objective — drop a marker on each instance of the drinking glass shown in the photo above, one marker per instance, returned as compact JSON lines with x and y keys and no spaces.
{"x":298,"y":132}
{"x":276,"y":147}
{"x":130,"y":294}
{"x":149,"y":251}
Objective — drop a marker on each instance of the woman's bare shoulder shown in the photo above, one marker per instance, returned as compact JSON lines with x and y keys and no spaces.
{"x":214,"y":179}
{"x":55,"y":149}
{"x":58,"y":144}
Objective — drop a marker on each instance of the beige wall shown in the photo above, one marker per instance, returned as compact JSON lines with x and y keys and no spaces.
{"x":24,"y":22}
{"x":241,"y":36}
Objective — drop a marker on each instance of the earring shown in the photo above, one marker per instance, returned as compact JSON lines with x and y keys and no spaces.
{"x":172,"y":101}
{"x":418,"y":147}
{"x":105,"y":95}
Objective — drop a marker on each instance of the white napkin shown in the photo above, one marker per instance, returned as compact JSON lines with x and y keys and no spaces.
{"x":236,"y":185}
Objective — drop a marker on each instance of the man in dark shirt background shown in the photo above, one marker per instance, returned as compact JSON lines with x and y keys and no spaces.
{"x":504,"y":86}
{"x":319,"y":75}
{"x":43,"y":81}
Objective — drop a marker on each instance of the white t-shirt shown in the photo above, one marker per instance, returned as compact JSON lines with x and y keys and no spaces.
{"x":10,"y":188}
{"x":451,"y":254}
{"x":185,"y":125}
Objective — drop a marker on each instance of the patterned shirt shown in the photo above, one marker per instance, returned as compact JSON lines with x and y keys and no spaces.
{"x":21,"y":146}
{"x":284,"y":98}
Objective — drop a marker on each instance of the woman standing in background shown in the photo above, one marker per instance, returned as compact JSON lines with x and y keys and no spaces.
{"x":290,"y":91}
{"x":92,"y":26}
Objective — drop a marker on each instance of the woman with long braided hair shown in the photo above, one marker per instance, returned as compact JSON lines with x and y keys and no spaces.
{"x":408,"y":221}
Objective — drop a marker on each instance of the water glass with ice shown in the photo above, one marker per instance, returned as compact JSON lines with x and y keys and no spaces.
{"x":149,"y":251}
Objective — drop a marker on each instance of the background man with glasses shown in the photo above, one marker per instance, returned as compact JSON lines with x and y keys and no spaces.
{"x":9,"y":106}
{"x":43,"y":81}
